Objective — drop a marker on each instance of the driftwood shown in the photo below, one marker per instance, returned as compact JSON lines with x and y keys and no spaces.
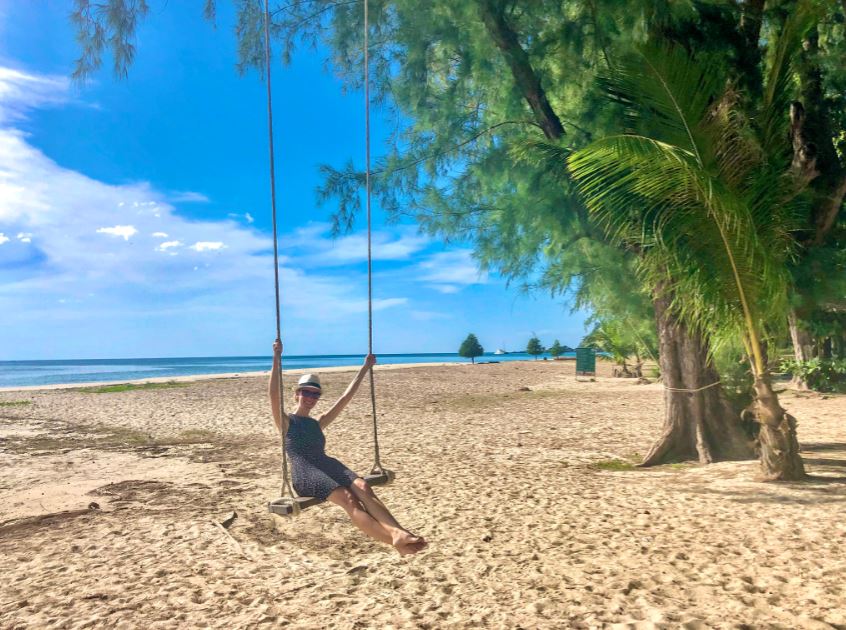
{"x":232,"y":540}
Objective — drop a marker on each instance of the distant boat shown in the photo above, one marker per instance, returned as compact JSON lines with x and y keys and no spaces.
{"x":500,"y":351}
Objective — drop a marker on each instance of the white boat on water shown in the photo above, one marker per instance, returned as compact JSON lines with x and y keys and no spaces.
{"x":500,"y":351}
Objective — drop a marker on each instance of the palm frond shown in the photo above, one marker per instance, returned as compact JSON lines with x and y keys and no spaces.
{"x":665,"y":93}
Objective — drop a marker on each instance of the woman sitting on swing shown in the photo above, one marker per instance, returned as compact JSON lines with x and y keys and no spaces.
{"x":315,"y":474}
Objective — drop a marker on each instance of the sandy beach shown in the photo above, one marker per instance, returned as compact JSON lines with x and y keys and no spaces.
{"x":113,"y":504}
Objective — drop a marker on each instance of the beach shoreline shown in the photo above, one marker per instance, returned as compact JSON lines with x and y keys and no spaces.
{"x":190,"y":378}
{"x":193,"y":378}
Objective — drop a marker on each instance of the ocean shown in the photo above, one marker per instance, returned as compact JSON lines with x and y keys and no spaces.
{"x":33,"y":373}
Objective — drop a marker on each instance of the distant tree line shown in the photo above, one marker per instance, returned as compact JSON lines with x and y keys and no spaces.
{"x":471,"y":348}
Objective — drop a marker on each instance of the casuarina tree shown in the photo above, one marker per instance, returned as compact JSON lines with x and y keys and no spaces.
{"x":534,"y":347}
{"x":471,"y":348}
{"x":556,"y":349}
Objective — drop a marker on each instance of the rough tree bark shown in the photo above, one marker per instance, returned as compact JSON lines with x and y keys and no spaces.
{"x":698,"y":425}
{"x":802,"y":347}
{"x":749,"y":75}
{"x":778,"y":444}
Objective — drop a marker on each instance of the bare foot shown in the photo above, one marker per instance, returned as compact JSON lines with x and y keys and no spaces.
{"x":407,"y":543}
{"x":411,"y":548}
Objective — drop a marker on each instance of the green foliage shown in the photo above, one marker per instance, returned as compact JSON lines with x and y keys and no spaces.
{"x":703,"y":193}
{"x":732,"y":364}
{"x":611,"y":337}
{"x":534,"y":347}
{"x":15,"y":403}
{"x":106,"y":25}
{"x":556,"y":349}
{"x":471,"y":348}
{"x":822,"y":375}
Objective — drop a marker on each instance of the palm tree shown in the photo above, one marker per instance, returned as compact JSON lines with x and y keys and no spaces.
{"x":611,"y":337}
{"x":705,"y":191}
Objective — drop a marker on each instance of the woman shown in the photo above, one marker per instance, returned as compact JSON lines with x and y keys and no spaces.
{"x":315,"y":474}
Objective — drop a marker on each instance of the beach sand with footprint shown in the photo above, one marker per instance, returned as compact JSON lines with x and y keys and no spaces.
{"x":113,"y":504}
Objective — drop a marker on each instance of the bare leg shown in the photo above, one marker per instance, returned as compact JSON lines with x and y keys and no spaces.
{"x":359,"y":516}
{"x":401,"y":538}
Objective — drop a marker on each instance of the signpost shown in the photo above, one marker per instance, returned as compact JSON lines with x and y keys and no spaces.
{"x":585,"y":363}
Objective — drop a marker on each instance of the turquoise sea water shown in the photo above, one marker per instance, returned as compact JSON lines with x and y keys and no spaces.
{"x":28,"y":373}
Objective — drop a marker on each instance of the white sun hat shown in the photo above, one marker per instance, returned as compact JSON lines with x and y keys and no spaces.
{"x":309,"y":381}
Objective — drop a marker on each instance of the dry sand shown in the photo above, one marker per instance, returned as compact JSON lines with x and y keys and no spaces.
{"x":525,"y":530}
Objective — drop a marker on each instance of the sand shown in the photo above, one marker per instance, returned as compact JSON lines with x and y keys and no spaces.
{"x":112,"y":505}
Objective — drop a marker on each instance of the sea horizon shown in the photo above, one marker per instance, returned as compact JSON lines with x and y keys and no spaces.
{"x":35,"y":372}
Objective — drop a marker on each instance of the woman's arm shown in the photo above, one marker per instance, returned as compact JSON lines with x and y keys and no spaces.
{"x":326,"y":419}
{"x":273,"y":389}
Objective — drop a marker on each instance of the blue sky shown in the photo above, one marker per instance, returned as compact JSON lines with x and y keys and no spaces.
{"x":135,"y":214}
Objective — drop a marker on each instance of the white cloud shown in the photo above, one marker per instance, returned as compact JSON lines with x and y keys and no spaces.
{"x":207,"y":246}
{"x":168,"y":245}
{"x":3,"y":238}
{"x":21,"y":92}
{"x":246,"y":216}
{"x":24,"y":237}
{"x":125,"y":231}
{"x":159,"y":235}
{"x":189,"y":196}
{"x":450,"y":271}
{"x":320,"y":249}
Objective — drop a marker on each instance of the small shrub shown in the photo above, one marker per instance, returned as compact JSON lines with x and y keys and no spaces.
{"x":821,"y":375}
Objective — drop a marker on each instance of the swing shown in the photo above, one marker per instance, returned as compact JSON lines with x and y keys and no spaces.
{"x":290,"y":504}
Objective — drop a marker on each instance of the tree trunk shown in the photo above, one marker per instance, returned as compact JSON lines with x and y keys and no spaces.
{"x":749,"y":75}
{"x":802,"y":347}
{"x":779,"y":446}
{"x":503,"y":35}
{"x":698,"y":425}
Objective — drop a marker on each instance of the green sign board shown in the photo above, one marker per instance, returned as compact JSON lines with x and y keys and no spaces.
{"x":585,"y":362}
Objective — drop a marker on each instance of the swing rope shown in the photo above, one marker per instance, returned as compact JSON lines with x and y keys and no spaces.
{"x":287,"y":490}
{"x":377,"y":464}
{"x":288,"y":494}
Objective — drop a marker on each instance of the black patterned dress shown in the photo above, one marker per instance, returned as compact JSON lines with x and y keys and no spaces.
{"x":314,"y":473}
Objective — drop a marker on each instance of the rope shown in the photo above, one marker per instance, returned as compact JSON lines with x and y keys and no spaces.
{"x":377,"y":465}
{"x":286,"y":484}
{"x":691,"y":391}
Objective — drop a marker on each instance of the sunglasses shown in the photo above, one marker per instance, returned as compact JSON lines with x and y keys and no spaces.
{"x":309,"y":394}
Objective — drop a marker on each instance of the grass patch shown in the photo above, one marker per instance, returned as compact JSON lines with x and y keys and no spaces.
{"x":680,"y":465}
{"x":128,"y":387}
{"x":106,"y":438}
{"x":631,"y":461}
{"x":15,"y":403}
{"x":194,"y":436}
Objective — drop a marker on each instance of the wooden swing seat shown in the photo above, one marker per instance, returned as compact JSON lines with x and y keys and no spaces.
{"x":285,"y":506}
